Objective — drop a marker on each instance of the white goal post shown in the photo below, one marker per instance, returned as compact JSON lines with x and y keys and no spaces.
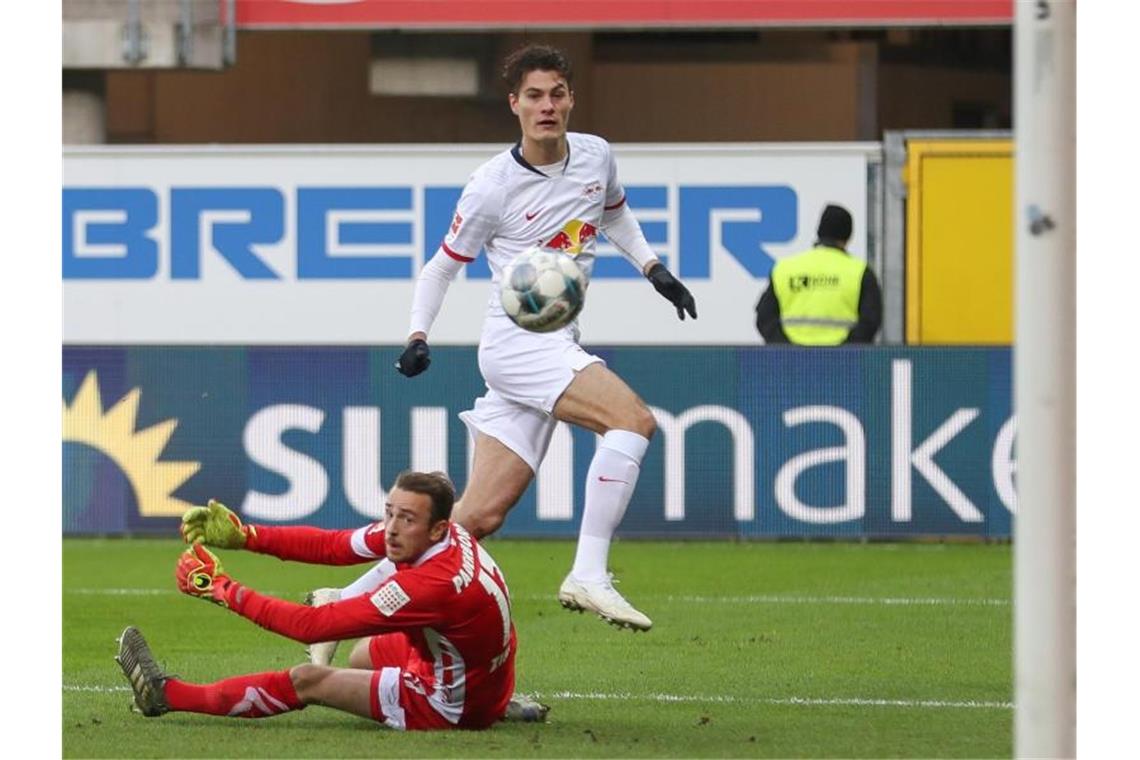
{"x":1045,"y":378}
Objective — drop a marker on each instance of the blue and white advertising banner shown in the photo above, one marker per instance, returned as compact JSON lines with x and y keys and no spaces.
{"x":320,"y":245}
{"x":751,"y":442}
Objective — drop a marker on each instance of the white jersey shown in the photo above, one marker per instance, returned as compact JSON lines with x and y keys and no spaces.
{"x":509,"y":206}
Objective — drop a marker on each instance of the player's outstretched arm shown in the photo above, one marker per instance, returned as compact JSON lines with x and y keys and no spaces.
{"x":199,"y":574}
{"x":622,"y":229}
{"x":673,"y":290}
{"x":215,"y":525}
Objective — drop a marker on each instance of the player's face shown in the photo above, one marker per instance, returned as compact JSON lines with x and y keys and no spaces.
{"x":408,"y":528}
{"x":543,"y":105}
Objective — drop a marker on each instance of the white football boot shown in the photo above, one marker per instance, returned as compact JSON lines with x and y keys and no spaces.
{"x":322,"y":652}
{"x":601,"y":597}
{"x":524,"y":709}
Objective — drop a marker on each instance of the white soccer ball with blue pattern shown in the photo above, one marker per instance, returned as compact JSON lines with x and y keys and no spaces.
{"x":542,"y":290}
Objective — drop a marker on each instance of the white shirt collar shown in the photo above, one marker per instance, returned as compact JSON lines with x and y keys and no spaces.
{"x":435,"y":548}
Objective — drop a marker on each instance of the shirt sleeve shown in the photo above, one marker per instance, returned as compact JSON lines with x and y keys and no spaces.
{"x":317,"y":546}
{"x":615,"y":193}
{"x":476,"y":219}
{"x":404,"y":602}
{"x":619,"y":223}
{"x":625,"y":233}
{"x":431,"y":286}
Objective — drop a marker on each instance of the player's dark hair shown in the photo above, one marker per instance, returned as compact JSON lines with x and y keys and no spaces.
{"x":533,"y":57}
{"x":435,"y":485}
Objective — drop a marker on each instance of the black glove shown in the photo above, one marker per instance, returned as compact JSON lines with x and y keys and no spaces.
{"x":415,"y":359}
{"x":670,"y":287}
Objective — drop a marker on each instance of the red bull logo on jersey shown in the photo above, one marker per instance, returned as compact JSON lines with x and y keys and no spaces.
{"x":573,"y":237}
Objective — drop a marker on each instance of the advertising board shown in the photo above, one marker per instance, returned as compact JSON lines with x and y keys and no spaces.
{"x":752,"y":442}
{"x":320,"y":245}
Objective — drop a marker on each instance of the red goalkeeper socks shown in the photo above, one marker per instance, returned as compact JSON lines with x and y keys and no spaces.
{"x":259,"y":695}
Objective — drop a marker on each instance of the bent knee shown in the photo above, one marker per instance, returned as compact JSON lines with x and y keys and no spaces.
{"x":307,"y":679}
{"x":647,"y":423}
{"x":483,"y":520}
{"x":640,"y":421}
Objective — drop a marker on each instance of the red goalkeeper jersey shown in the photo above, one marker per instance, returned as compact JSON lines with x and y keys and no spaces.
{"x":452,"y":603}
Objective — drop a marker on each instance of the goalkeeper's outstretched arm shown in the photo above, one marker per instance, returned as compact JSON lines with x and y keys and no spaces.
{"x":199,"y":573}
{"x":218,"y":526}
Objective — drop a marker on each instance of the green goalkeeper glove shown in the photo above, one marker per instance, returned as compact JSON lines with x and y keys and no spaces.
{"x":215,"y":525}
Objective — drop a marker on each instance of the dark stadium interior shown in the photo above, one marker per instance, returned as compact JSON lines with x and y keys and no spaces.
{"x":313,"y":86}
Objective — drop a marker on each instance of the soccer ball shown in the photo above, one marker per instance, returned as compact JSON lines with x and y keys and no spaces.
{"x":542,"y":290}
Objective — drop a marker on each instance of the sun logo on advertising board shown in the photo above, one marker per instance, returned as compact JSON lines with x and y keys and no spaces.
{"x":135,"y":453}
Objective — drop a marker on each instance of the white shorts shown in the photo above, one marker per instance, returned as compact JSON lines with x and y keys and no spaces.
{"x":526,"y":373}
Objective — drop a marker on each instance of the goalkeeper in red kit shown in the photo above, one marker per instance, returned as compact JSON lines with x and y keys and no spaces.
{"x":437,"y":645}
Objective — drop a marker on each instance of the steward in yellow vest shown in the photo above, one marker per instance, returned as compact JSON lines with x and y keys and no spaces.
{"x":823,"y":296}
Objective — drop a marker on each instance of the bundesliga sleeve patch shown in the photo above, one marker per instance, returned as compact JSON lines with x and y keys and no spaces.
{"x":390,"y":598}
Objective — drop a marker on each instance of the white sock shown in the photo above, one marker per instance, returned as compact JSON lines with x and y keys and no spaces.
{"x":609,"y":485}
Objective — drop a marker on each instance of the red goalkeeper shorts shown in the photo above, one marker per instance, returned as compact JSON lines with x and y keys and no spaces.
{"x":399,"y":697}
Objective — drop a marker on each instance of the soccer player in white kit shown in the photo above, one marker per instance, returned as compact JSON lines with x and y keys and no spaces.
{"x":557,"y":189}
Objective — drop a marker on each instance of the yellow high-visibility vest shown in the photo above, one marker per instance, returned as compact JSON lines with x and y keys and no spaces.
{"x":818,"y":293}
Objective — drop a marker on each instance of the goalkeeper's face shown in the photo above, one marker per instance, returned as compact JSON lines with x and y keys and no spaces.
{"x":408,"y":526}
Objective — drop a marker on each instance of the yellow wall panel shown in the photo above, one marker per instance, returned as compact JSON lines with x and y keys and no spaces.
{"x":959,"y":255}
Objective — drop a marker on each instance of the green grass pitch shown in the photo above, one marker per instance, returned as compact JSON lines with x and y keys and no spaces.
{"x":757,"y":650}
